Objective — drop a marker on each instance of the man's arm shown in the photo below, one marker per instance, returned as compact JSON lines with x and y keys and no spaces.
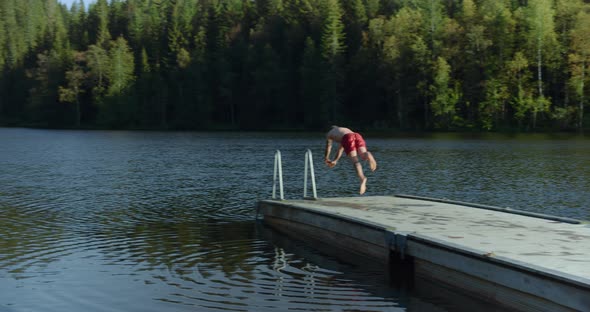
{"x":339,"y":154}
{"x":328,"y":150}
{"x":332,"y":163}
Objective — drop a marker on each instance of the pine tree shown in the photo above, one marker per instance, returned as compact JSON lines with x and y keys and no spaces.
{"x":78,"y":26}
{"x":57,"y":33}
{"x":332,"y":47}
{"x":99,"y":18}
{"x":333,"y":32}
{"x":120,"y":72}
{"x":2,"y":51}
{"x":265,"y":86}
{"x":356,"y":19}
{"x":47,"y":75}
{"x":372,"y":8}
{"x":315,"y":110}
{"x":15,"y":43}
{"x":135,"y":24}
{"x":34,"y":21}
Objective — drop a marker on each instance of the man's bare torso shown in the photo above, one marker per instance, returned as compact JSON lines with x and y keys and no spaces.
{"x":337,"y":133}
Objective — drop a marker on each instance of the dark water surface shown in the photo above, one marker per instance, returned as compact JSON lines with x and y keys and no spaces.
{"x":153,"y":221}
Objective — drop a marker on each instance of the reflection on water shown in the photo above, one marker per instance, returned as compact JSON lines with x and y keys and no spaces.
{"x":183,"y":264}
{"x":150,"y":221}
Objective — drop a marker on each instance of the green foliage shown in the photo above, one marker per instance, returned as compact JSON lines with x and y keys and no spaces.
{"x":333,"y":34}
{"x":523,"y":102}
{"x":372,"y":8}
{"x":120,"y":69}
{"x":565,"y":116}
{"x":77,"y":21}
{"x":99,"y":19}
{"x":98,"y":64}
{"x":543,"y":46}
{"x":74,"y":77}
{"x":494,"y":105}
{"x":315,"y":110}
{"x":445,"y":94}
{"x":433,"y":23}
{"x":2,"y":46}
{"x":579,"y":60}
{"x":201,"y":64}
{"x":44,"y":93}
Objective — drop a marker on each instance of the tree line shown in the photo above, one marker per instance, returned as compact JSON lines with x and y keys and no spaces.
{"x":296,"y":64}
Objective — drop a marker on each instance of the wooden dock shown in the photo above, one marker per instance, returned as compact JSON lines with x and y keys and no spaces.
{"x":518,"y":260}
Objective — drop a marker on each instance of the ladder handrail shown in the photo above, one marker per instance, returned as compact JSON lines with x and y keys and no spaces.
{"x":278,"y":170}
{"x":309,"y":159}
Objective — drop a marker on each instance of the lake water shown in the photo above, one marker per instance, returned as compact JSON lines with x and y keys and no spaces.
{"x":160,"y":221}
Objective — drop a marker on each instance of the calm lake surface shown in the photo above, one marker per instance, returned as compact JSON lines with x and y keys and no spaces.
{"x":159,"y":221}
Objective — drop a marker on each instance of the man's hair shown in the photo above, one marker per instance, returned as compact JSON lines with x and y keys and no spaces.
{"x":334,"y":126}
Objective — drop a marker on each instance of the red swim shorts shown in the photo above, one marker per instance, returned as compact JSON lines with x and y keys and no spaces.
{"x":352,"y":141}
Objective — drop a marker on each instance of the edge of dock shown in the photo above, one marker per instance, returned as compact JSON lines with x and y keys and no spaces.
{"x":503,"y":281}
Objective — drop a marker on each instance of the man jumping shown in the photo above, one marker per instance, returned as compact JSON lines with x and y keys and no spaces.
{"x":353,"y":145}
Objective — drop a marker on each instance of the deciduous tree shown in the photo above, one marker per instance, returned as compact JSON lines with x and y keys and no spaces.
{"x":445,"y":94}
{"x":579,"y":60}
{"x":542,"y":44}
{"x":75,"y":79}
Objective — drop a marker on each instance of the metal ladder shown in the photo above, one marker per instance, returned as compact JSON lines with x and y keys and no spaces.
{"x":278,"y":176}
{"x":279,"y":172}
{"x":309,"y":164}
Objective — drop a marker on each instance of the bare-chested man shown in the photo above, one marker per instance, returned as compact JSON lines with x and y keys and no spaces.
{"x":354,"y":145}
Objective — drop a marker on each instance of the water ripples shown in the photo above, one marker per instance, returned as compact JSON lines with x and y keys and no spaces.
{"x":193,"y":262}
{"x":264,"y":278}
{"x":135,"y":221}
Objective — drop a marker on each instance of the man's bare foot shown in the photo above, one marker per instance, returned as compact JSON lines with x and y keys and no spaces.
{"x":372,"y":162}
{"x":363,"y":186}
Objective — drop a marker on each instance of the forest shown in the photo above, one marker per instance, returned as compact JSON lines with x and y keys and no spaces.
{"x":411,"y":65}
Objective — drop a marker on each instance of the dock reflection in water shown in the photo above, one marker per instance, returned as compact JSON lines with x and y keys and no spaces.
{"x":136,"y":265}
{"x":140,"y":266}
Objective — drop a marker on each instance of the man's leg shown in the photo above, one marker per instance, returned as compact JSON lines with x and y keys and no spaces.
{"x":359,"y":171}
{"x":366,"y":155}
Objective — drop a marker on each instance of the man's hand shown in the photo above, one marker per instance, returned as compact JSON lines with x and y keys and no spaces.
{"x":331,"y":163}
